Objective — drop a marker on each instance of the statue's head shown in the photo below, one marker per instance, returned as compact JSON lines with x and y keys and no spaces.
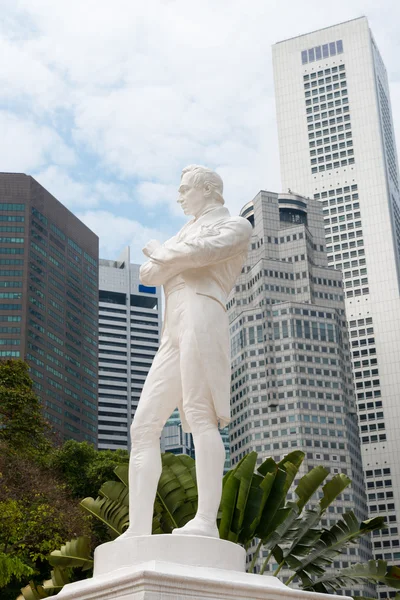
{"x":200,"y":187}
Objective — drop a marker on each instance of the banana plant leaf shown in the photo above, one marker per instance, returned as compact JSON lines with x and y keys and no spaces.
{"x":309,"y":484}
{"x":175,"y":504}
{"x":122,"y":472}
{"x":372,"y":571}
{"x":275,"y":512}
{"x":33,"y":592}
{"x":158,"y":525}
{"x":112,"y":514}
{"x":305,"y":489}
{"x":268,"y":521}
{"x":290,"y":514}
{"x":291,"y":464}
{"x":304,"y":532}
{"x":238,"y":478}
{"x":51,"y":587}
{"x":245,"y":476}
{"x":177,"y":491}
{"x":258,"y":495}
{"x":75,"y":553}
{"x":184,"y":468}
{"x":332,"y":489}
{"x":116,"y":491}
{"x":300,"y":538}
{"x":332,"y":541}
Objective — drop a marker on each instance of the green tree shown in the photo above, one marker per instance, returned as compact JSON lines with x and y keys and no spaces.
{"x":40,"y":482}
{"x":12,"y":568}
{"x":83,"y":468}
{"x":37,"y":513}
{"x":23,"y":427}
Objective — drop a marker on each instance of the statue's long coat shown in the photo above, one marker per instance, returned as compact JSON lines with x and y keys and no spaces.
{"x":207,"y":255}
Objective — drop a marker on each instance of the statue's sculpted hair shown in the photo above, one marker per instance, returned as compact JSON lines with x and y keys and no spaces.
{"x":202,"y":176}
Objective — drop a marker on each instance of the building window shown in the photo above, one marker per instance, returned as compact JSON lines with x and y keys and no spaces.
{"x":324,"y":51}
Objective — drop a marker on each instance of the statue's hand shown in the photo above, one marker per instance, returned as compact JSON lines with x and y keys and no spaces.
{"x":150,"y":247}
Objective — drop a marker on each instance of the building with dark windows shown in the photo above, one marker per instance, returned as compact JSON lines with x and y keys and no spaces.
{"x":49,"y":302}
{"x":337,"y":145}
{"x":129,"y":335}
{"x":291,"y":382}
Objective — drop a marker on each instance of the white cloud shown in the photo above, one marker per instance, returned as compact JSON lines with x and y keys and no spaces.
{"x":73,"y":194}
{"x":151,"y":194}
{"x":27,"y":81}
{"x":113,"y":193}
{"x":145,"y":88}
{"x":77,"y":194}
{"x":27,"y":146}
{"x":117,"y":232}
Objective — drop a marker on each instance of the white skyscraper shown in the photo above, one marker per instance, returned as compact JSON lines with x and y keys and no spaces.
{"x":291,"y":384}
{"x":337,"y":146}
{"x":129,"y":333}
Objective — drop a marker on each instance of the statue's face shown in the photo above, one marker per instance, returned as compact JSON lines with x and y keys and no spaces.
{"x":191,"y":199}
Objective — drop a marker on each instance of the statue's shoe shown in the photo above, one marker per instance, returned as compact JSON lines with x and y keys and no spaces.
{"x":129,"y":533}
{"x":198,"y":526}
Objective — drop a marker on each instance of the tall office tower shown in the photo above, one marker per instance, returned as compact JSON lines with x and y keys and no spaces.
{"x":337,"y":145}
{"x":48,"y":302}
{"x":129,"y":335}
{"x":174,"y":439}
{"x":291,"y":377}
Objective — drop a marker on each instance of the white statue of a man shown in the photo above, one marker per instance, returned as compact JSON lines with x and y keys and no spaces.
{"x":198,"y":268}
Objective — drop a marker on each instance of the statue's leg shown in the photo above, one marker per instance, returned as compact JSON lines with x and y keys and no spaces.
{"x":160,"y":395}
{"x":198,"y":407}
{"x":210,"y":460}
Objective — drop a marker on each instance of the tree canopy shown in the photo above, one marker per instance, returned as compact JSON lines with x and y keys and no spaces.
{"x":40,"y":483}
{"x":23,"y":427}
{"x":83,"y":468}
{"x":37,"y":511}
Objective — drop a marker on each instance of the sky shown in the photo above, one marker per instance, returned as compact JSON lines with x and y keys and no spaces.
{"x":105,"y":102}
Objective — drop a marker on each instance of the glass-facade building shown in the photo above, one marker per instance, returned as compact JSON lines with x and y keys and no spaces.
{"x":337,"y":145}
{"x":291,"y":384}
{"x":49,"y":302}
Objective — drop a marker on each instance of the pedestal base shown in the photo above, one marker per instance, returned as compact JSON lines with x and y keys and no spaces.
{"x":185,"y":550}
{"x":191,"y":568}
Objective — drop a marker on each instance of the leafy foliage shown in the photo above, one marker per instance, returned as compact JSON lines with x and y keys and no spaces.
{"x":253,"y":505}
{"x":12,"y":566}
{"x":177,"y":491}
{"x":331,"y":543}
{"x":109,"y":512}
{"x":375,"y":571}
{"x":37,"y":514}
{"x":22,"y":426}
{"x":50,"y":587}
{"x":83,"y":468}
{"x":39,"y":481}
{"x":75,"y":553}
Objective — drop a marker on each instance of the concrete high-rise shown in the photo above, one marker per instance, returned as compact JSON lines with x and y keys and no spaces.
{"x":174,"y":439}
{"x":49,"y":302}
{"x":291,"y":375}
{"x":337,"y":145}
{"x":129,"y":335}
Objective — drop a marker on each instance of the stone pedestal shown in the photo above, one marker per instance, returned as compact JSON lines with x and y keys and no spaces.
{"x":167,"y":567}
